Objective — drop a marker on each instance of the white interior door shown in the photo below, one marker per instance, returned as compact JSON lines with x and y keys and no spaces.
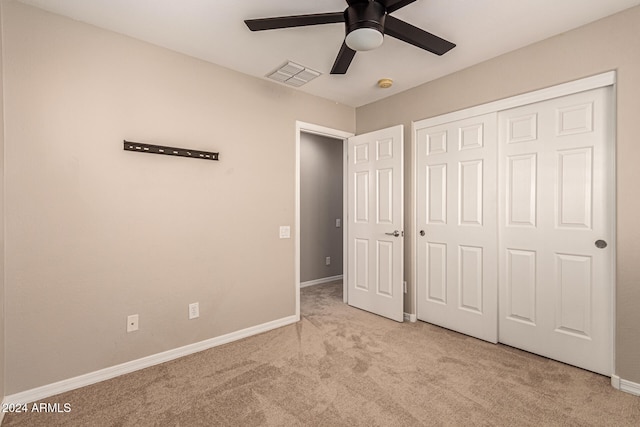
{"x":556,"y":211}
{"x":375,"y":230}
{"x":456,"y":222}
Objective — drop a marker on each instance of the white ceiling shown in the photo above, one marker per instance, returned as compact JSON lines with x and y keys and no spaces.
{"x":213,"y":30}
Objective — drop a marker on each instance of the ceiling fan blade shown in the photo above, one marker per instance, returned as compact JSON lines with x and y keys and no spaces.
{"x":393,"y":5}
{"x":401,"y":30}
{"x":343,"y":60}
{"x":294,"y":21}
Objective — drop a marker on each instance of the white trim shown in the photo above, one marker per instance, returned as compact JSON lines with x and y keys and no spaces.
{"x":145,"y":362}
{"x":345,"y":221}
{"x":321,"y":130}
{"x":588,"y":83}
{"x":331,"y":133}
{"x":615,"y":382}
{"x":410,"y":318}
{"x":625,"y":385}
{"x":613,"y":120}
{"x":413,"y":220}
{"x":629,"y":387}
{"x":320,"y":281}
{"x":296,"y":225}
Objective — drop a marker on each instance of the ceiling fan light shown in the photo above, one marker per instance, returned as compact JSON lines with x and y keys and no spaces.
{"x":364,"y":39}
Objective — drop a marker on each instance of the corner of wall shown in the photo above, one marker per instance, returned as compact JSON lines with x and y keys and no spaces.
{"x":2,"y":269}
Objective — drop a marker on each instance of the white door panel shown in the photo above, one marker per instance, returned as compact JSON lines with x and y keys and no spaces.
{"x":557,"y":181}
{"x":375,"y":206}
{"x":456,"y":210}
{"x":522,"y":268}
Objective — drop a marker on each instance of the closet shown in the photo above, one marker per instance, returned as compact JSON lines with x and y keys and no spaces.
{"x":515,"y":222}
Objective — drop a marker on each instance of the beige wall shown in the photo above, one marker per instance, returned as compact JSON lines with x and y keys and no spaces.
{"x":320,"y":206}
{"x":609,"y":44}
{"x":95,"y":233}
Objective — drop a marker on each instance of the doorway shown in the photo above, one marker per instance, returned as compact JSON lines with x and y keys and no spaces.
{"x":372,"y":229}
{"x":321,"y":210}
{"x":314,"y":267}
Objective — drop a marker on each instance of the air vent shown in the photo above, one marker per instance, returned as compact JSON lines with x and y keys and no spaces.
{"x":293,"y":74}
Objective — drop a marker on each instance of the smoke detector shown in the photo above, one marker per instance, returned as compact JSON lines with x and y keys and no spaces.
{"x":385,"y":83}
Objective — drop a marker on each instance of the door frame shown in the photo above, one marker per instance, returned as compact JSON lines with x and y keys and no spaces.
{"x":570,"y":88}
{"x":304,"y":127}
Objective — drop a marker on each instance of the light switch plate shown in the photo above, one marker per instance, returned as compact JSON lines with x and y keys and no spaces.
{"x":338,"y":222}
{"x":285,"y":232}
{"x":194,"y":310}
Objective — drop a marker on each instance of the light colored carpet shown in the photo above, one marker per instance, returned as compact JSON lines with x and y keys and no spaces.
{"x":340,"y":366}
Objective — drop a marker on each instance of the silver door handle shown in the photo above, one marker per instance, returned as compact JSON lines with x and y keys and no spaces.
{"x":601,"y":244}
{"x":396,"y":233}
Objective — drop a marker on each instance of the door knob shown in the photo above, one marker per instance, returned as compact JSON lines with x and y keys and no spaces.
{"x":601,"y":244}
{"x":396,"y":233}
{"x":422,"y":232}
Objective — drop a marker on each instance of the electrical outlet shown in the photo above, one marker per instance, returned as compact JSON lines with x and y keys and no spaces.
{"x":327,"y":260}
{"x":132,"y":323}
{"x":338,"y":223}
{"x":194,"y":310}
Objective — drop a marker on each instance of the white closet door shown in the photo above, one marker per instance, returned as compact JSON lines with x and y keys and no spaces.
{"x":556,"y":211}
{"x":456,"y":221}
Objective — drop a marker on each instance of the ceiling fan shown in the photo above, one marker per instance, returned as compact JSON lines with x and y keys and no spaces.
{"x":366,"y":21}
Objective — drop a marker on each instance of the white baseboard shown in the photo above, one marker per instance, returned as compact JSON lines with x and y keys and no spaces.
{"x":625,"y":385}
{"x":49,"y":390}
{"x":320,"y":281}
{"x":410,"y":317}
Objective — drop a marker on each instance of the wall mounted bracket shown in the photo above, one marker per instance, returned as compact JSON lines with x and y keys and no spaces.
{"x":169,"y":151}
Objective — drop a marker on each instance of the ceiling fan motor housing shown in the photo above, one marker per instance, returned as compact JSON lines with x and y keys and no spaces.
{"x":365,"y":14}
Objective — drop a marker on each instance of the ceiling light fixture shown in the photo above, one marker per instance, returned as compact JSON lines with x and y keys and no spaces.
{"x":364,"y":39}
{"x":365,"y":25}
